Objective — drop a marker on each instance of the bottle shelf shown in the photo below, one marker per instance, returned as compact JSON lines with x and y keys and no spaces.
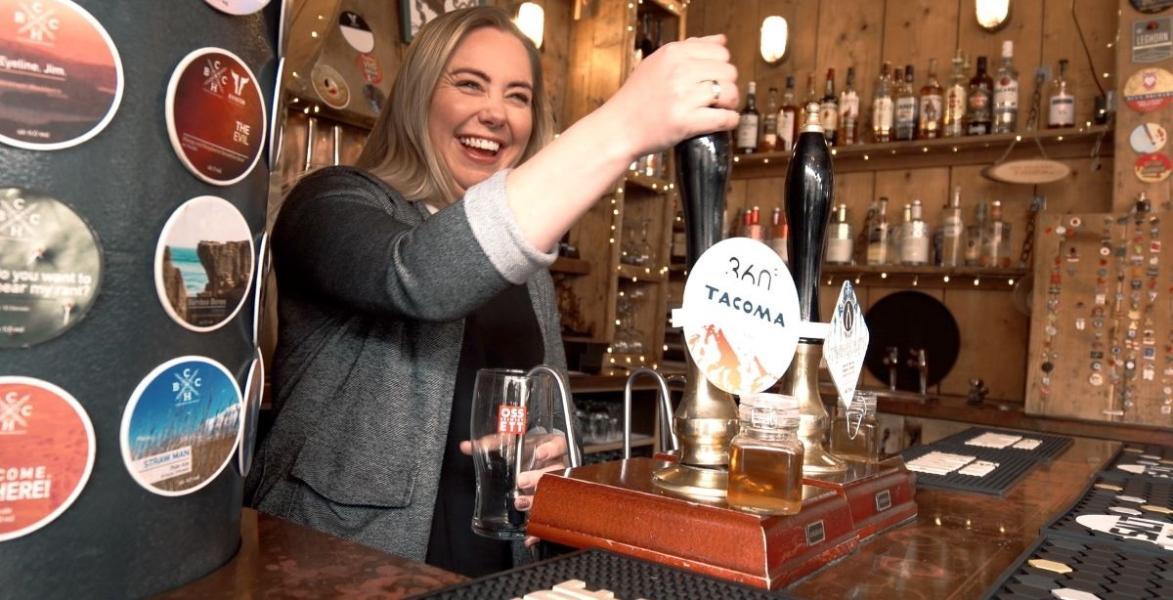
{"x":573,"y":266}
{"x":652,"y":184}
{"x":927,"y":276}
{"x":653,"y":274}
{"x":986,"y":149}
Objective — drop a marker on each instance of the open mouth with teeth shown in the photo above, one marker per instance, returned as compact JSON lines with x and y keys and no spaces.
{"x":480,"y":148}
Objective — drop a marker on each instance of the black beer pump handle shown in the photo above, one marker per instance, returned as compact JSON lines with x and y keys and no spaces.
{"x":809,"y":183}
{"x":702,"y":165}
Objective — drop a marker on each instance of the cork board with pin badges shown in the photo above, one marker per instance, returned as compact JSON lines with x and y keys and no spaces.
{"x":1101,"y":342}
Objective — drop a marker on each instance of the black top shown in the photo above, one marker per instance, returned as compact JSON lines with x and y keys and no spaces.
{"x":502,"y":334}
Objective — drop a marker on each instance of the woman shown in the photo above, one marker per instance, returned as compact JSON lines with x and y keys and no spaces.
{"x":400,"y":279}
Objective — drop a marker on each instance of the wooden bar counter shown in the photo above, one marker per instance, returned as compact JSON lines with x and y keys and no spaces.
{"x":957,"y":547}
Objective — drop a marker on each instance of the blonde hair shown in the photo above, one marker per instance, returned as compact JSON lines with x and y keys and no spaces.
{"x":398,"y":149}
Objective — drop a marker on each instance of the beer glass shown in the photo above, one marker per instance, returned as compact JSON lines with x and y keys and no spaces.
{"x":512,"y":414}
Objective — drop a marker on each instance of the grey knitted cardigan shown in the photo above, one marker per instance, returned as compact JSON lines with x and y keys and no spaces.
{"x":369,"y":341}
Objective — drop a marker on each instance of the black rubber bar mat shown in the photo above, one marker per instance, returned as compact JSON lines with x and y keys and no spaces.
{"x":1104,"y":570}
{"x":1148,"y":461}
{"x":1050,"y":446}
{"x":627,"y":578}
{"x":1012,"y":466}
{"x":1131,"y":514}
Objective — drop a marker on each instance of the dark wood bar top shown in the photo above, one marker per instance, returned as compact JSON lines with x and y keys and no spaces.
{"x":961,"y":542}
{"x":278,"y":559}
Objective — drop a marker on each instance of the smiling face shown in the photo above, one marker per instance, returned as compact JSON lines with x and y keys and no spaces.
{"x":481,"y":114}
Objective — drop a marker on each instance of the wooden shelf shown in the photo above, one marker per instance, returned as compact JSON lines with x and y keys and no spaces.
{"x":928,"y":271}
{"x":573,"y":266}
{"x":638,"y":440}
{"x":1059,"y":143}
{"x":652,"y":184}
{"x":675,"y":7}
{"x":636,"y":274}
{"x":907,"y":277}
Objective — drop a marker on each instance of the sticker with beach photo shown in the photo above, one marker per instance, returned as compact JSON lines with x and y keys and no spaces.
{"x":204,"y":263}
{"x":181,"y":426}
{"x":46,"y":454}
{"x":254,"y":388}
{"x":216,"y":116}
{"x":60,"y":75}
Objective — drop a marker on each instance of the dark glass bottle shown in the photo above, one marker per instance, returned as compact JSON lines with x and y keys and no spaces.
{"x":809,"y":186}
{"x":979,"y":118}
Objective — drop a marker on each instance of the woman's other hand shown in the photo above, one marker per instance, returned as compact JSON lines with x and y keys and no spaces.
{"x":684,"y":89}
{"x":550,"y":455}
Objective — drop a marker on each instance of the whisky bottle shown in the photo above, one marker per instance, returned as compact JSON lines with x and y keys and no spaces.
{"x":840,"y":241}
{"x":787,"y":118}
{"x":848,"y":112}
{"x":878,"y":236}
{"x":1062,"y":104}
{"x":829,"y":109}
{"x":1006,"y":92}
{"x":979,"y":117}
{"x":956,"y":100}
{"x":915,"y":239}
{"x":749,"y":123}
{"x":952,"y":249}
{"x":996,"y":240}
{"x":882,"y":107}
{"x":769,"y":142}
{"x":931,"y":105}
{"x":905,"y":106}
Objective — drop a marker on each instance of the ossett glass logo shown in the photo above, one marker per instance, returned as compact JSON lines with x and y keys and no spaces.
{"x":186,"y":386}
{"x":18,"y":219}
{"x":37,"y":22}
{"x":15,"y":412}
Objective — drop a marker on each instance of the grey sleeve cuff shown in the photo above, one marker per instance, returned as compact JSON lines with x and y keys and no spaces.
{"x":497,"y":231}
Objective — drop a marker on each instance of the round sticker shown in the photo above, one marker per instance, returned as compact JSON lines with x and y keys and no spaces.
{"x":238,"y":7}
{"x":356,"y":32}
{"x":46,"y":454}
{"x":60,"y":75}
{"x":204,"y":263}
{"x":1153,"y":168}
{"x":741,"y":316}
{"x":1148,"y":89}
{"x":1147,"y":138}
{"x":277,"y":111}
{"x":374,"y":96}
{"x":372,"y":71}
{"x":181,"y":426}
{"x":330,"y":86}
{"x":50,"y":268}
{"x":216,"y":116}
{"x":260,"y":288}
{"x":253,"y":388}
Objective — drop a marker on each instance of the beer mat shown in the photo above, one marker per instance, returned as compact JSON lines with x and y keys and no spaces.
{"x":627,"y":578}
{"x":1148,"y":461}
{"x":976,"y":475}
{"x":1054,"y":564}
{"x":1135,"y":515}
{"x":1040,"y":446}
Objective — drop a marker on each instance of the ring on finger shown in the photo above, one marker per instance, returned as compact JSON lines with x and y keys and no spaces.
{"x":716,"y":89}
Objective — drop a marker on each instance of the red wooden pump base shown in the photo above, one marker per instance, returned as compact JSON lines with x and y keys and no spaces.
{"x":615,"y":506}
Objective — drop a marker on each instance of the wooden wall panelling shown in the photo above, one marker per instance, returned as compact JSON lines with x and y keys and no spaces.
{"x":555,"y":54}
{"x":765,"y":194}
{"x":1127,"y":186}
{"x":1088,"y":190}
{"x":993,"y":341}
{"x":1097,"y":18}
{"x":736,"y":198}
{"x":802,"y":17}
{"x":1025,"y":29}
{"x":918,"y":30}
{"x":850,"y":34}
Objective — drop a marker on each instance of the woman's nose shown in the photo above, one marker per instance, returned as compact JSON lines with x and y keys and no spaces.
{"x":492,"y":113}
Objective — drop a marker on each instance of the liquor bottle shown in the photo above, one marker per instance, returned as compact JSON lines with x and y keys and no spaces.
{"x":979,"y":117}
{"x":754,"y":229}
{"x":749,"y":123}
{"x":811,"y":96}
{"x":952,"y":249}
{"x":956,"y":99}
{"x":787,"y":118}
{"x":1062,"y":111}
{"x":931,"y":105}
{"x":829,"y":109}
{"x":769,"y":141}
{"x":914,"y":243}
{"x":809,"y":181}
{"x":1006,"y":92}
{"x":896,"y":237}
{"x":878,"y":236}
{"x":848,"y":112}
{"x":905,"y":106}
{"x":882,"y":108}
{"x":861,"y":241}
{"x":996,"y":241}
{"x":840,"y":241}
{"x":778,"y":233}
{"x":974,"y":235}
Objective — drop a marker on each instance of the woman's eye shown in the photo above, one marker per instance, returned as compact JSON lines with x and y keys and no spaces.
{"x":522,"y":98}
{"x":468,"y":84}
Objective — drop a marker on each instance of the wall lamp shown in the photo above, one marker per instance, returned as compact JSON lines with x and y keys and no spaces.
{"x":531,"y":20}
{"x":992,"y":15}
{"x":775,"y":36}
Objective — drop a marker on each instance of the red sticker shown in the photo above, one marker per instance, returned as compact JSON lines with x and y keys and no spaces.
{"x":46,"y":454}
{"x":1148,"y":89}
{"x":511,"y":419}
{"x":1153,"y":168}
{"x":372,"y":71}
{"x":216,"y":116}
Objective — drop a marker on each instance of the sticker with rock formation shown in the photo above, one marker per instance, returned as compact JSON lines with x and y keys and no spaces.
{"x":46,"y":454}
{"x":204,"y":263}
{"x":181,"y":426}
{"x":216,"y":116}
{"x":50,"y":268}
{"x":60,"y":74}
